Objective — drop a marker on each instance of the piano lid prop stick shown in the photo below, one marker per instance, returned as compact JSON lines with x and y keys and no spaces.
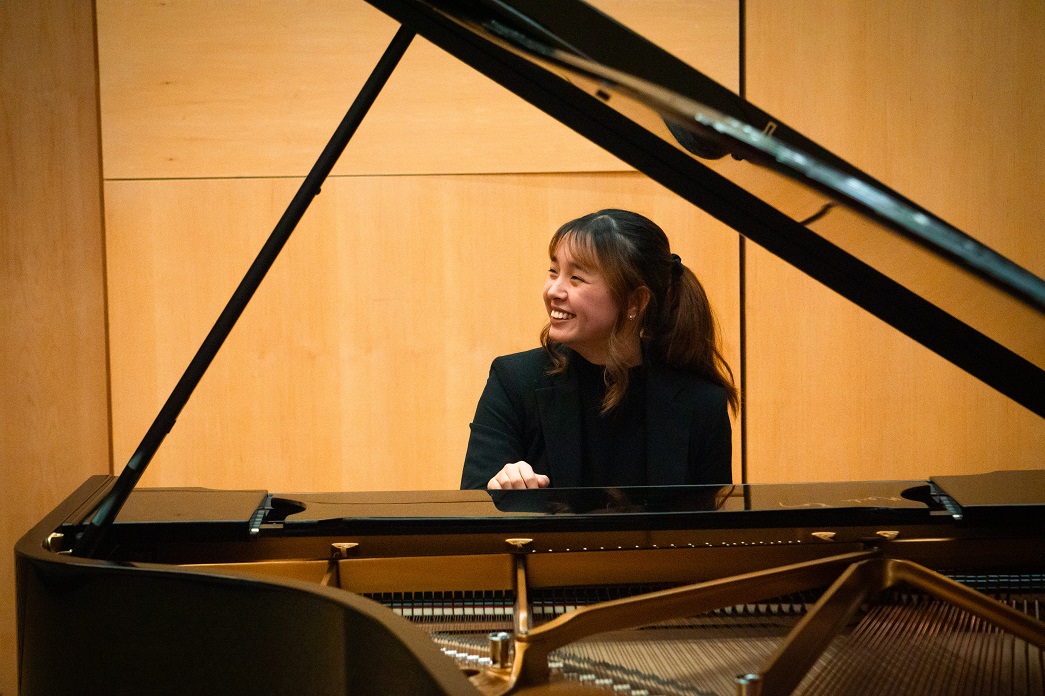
{"x":89,"y":541}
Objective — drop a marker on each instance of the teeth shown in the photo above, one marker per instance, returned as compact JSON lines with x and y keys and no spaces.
{"x":559,"y":314}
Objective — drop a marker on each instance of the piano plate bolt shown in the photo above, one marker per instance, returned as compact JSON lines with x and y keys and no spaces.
{"x":501,"y":649}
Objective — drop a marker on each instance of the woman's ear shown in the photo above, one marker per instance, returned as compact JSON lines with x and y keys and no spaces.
{"x":638,"y":300}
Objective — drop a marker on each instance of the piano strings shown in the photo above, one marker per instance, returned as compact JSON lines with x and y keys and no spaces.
{"x":906,"y":642}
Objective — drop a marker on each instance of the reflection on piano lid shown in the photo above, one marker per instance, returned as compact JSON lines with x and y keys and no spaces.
{"x":948,"y":504}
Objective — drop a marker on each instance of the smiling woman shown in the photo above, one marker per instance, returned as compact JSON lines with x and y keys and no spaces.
{"x":581,"y":308}
{"x":630,"y":387}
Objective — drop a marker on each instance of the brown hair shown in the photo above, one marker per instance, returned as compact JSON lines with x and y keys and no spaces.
{"x":677,"y":326}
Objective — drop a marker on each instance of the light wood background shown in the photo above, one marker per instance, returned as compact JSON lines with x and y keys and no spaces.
{"x":359,"y":362}
{"x":54,"y":417}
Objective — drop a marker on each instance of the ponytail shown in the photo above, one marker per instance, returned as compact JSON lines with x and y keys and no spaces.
{"x":686,"y":335}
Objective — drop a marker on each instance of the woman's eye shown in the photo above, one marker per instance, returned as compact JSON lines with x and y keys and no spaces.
{"x":579,"y":279}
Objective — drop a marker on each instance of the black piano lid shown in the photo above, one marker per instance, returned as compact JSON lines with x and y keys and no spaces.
{"x":192,"y":505}
{"x":760,"y":506}
{"x":931,"y":281}
{"x":200,"y":514}
{"x":194,"y":514}
{"x":182,"y":514}
{"x":996,"y":497}
{"x":1006,"y":498}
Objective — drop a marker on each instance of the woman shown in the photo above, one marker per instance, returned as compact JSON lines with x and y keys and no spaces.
{"x":629,"y":388}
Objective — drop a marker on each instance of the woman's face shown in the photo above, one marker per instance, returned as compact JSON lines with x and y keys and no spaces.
{"x":580,"y":308}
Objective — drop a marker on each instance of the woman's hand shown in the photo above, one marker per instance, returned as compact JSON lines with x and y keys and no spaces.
{"x":517,"y":475}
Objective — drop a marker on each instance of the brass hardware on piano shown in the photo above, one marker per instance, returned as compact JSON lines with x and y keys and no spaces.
{"x":343,"y":549}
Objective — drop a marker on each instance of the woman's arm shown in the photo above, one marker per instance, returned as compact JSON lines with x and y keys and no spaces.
{"x":496,"y":450}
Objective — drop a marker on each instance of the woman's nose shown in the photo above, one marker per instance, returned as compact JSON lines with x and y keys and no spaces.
{"x":555,"y":288}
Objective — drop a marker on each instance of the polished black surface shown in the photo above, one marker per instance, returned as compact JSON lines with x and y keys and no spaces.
{"x":702,"y":505}
{"x":635,"y":501}
{"x":944,"y":506}
{"x":602,"y":509}
{"x":1015,"y":496}
{"x":948,"y":502}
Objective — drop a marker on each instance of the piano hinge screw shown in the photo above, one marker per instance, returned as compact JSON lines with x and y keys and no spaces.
{"x":888,"y":535}
{"x":343,"y":549}
{"x":825,"y":536}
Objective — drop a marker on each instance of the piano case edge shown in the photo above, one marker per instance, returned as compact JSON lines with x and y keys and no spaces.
{"x":90,"y":626}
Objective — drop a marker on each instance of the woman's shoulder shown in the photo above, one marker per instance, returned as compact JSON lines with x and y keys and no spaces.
{"x":689,"y":384}
{"x":527,"y":364}
{"x":522,"y":375}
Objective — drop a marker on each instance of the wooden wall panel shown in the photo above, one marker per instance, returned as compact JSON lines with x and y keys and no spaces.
{"x":54,"y":428}
{"x":192,"y":88}
{"x":941,"y":101}
{"x":359,"y":364}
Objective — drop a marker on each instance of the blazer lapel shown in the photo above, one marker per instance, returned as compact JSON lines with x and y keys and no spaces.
{"x":668,"y":421}
{"x":559,"y":407}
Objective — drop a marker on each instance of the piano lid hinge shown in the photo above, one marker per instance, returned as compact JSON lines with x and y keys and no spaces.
{"x":257,"y":520}
{"x":55,"y":543}
{"x":952,"y":507}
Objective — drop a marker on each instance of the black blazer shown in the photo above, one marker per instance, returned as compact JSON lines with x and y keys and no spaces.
{"x":526,"y":414}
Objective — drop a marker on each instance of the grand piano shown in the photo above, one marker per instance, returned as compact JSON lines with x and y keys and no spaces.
{"x":922,"y":586}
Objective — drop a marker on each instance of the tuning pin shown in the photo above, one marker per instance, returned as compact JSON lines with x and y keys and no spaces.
{"x":501,"y":649}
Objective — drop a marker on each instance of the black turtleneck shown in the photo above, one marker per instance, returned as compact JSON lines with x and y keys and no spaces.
{"x":614,"y":444}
